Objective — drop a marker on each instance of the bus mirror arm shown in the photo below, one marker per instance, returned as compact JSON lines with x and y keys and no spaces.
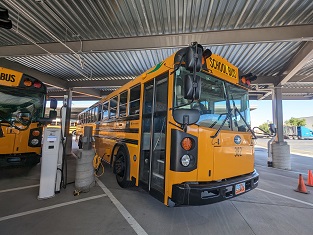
{"x":272,"y":134}
{"x":185,"y":122}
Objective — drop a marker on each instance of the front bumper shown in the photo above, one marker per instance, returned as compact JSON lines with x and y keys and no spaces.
{"x":207,"y":193}
{"x":27,"y":159}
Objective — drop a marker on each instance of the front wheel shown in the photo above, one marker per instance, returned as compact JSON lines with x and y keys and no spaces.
{"x":120,"y":169}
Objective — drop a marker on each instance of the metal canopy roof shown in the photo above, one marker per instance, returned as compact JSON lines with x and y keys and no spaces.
{"x":93,"y":47}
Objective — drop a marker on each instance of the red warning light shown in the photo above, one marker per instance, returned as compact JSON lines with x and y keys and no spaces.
{"x":37,"y":84}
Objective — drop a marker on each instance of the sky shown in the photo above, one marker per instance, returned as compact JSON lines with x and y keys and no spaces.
{"x":262,"y":112}
{"x":291,"y":108}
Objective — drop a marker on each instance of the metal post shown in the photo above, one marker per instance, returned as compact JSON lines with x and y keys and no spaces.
{"x":280,"y":149}
{"x":68,"y":143}
{"x":87,"y":139}
{"x":279,"y":114}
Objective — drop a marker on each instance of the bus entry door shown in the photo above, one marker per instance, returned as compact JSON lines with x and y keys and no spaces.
{"x":152,"y":160}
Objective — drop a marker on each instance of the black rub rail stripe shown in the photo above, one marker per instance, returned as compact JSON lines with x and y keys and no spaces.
{"x":129,"y":118}
{"x":124,"y":140}
{"x":127,"y":130}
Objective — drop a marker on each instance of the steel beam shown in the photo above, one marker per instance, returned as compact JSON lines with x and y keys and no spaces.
{"x":43,"y":77}
{"x":304,"y":55}
{"x":88,"y":92}
{"x":104,"y":83}
{"x":221,"y":37}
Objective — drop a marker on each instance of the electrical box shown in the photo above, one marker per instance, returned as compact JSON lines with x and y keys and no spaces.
{"x":51,"y":162}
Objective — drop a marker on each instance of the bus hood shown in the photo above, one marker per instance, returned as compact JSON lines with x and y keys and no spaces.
{"x":228,"y":155}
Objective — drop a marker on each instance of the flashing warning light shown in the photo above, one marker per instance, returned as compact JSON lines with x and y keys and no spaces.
{"x":35,"y":133}
{"x":37,"y":84}
{"x":246,"y":79}
{"x":27,"y":82}
{"x":186,"y":143}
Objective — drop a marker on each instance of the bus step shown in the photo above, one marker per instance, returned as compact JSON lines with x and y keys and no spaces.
{"x":158,"y":175}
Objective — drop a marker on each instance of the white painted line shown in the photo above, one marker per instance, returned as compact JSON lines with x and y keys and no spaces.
{"x":19,"y":188}
{"x":129,"y":218}
{"x":294,"y":152}
{"x":290,"y":198}
{"x":50,"y":207}
{"x":278,"y":169}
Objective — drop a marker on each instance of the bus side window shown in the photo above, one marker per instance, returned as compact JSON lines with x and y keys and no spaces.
{"x":105,"y":112}
{"x":99,"y":114}
{"x":113,"y":106}
{"x":134,"y":100}
{"x":123,"y":104}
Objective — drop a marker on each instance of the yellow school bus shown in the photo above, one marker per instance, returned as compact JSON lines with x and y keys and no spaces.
{"x":22,"y":108}
{"x":180,"y":130}
{"x":58,"y":123}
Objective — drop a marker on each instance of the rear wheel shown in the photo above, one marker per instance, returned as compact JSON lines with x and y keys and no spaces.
{"x":120,"y":169}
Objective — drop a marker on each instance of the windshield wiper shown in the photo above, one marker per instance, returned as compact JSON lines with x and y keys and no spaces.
{"x":244,"y":120}
{"x":223,"y":123}
{"x":214,"y":123}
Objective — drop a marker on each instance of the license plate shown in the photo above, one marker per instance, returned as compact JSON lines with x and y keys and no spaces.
{"x":240,"y":188}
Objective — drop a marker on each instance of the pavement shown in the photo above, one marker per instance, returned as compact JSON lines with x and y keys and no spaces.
{"x":299,"y":147}
{"x":273,"y":208}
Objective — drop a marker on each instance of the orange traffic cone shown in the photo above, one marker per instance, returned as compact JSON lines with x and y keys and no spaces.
{"x":301,"y":186}
{"x":310,"y":179}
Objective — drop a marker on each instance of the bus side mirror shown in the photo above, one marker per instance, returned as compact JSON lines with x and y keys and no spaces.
{"x":272,"y":128}
{"x":52,"y":114}
{"x":186,"y":117}
{"x":192,"y":89}
{"x":194,"y":58}
{"x":53,"y":103}
{"x":5,"y":22}
{"x":206,"y":54}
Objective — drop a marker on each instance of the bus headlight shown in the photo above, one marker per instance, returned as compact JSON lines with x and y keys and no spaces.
{"x":34,"y":142}
{"x":185,"y":160}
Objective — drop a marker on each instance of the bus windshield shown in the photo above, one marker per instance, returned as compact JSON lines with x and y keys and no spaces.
{"x":20,"y":104}
{"x":219,"y":100}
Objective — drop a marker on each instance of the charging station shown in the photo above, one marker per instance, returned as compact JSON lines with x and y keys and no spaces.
{"x":51,"y":163}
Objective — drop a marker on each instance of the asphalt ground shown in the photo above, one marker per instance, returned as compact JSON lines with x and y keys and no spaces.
{"x":272,"y":208}
{"x":303,"y":147}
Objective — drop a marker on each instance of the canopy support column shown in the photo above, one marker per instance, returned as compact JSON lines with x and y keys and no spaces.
{"x":280,"y":149}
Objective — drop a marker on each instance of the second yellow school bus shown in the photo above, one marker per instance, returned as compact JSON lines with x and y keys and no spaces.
{"x":181,"y":130}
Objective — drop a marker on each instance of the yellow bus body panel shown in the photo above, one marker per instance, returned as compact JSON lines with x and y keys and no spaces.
{"x":16,"y":141}
{"x":229,"y":159}
{"x":221,"y":68}
{"x":218,"y":158}
{"x":10,"y":77}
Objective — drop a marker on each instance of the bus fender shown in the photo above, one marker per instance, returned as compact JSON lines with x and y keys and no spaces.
{"x":114,"y":153}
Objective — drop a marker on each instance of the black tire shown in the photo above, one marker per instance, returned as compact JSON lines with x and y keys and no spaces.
{"x":120,"y":169}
